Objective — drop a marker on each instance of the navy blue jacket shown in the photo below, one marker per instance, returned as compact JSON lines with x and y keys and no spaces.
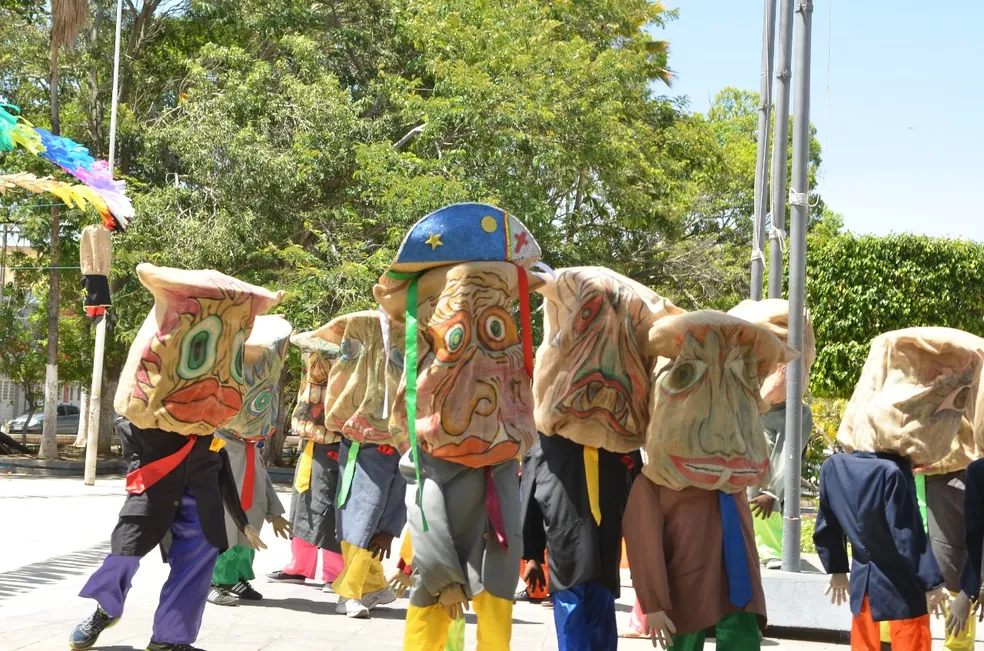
{"x":870,"y":499}
{"x":970,"y":578}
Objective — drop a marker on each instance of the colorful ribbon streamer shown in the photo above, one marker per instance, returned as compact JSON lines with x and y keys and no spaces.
{"x":348,"y":475}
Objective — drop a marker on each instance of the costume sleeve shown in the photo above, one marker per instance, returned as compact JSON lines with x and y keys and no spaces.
{"x":828,"y":536}
{"x":642,"y":526}
{"x":534,"y":534}
{"x":274,"y":506}
{"x":230,"y":493}
{"x":434,"y":556}
{"x":395,"y":513}
{"x":971,"y":579}
{"x":905,"y":525}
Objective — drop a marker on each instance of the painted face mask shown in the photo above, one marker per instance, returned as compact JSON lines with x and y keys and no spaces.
{"x":474,"y":399}
{"x":963,"y":450}
{"x":773,"y":315}
{"x":184,"y":372}
{"x":263,"y":359}
{"x":915,"y":388}
{"x":317,"y":356}
{"x":704,"y":428}
{"x":591,"y":378}
{"x":364,"y":378}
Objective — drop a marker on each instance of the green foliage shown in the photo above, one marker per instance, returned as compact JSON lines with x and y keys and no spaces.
{"x":861,"y":286}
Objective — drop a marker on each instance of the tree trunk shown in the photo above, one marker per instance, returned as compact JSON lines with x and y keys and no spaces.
{"x":81,"y":436}
{"x":94,"y":106}
{"x":49,"y":439}
{"x":105,"y":432}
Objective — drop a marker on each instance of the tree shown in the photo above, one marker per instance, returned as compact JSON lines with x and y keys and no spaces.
{"x":21,"y":359}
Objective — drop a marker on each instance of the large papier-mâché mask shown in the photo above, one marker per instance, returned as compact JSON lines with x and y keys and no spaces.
{"x":591,"y":382}
{"x":474,"y":399}
{"x":963,"y":450}
{"x":317,"y":356}
{"x":362,"y":384}
{"x":773,"y":315}
{"x":263,"y":360}
{"x":184,"y":372}
{"x":915,"y":388}
{"x":704,"y":428}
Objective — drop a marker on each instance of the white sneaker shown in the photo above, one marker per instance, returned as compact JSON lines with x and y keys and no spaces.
{"x":356,"y":610}
{"x":379,"y":598}
{"x":773,"y":564}
{"x":340,"y":606}
{"x":327,"y":589}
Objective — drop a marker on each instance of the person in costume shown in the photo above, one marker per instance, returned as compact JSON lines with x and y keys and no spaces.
{"x":591,"y":390}
{"x":467,"y":404}
{"x":942,"y":488}
{"x":312,"y":501}
{"x":370,"y":508}
{"x":263,"y":360}
{"x":915,"y":388}
{"x":183,"y":378}
{"x":688,"y":527}
{"x":767,"y":502}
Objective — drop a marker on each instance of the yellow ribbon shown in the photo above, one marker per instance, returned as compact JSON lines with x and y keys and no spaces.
{"x":591,"y":475}
{"x":302,"y":478}
{"x":406,"y":550}
{"x":217,"y":444}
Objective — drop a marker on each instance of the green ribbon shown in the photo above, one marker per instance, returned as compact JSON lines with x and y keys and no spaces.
{"x":343,"y":492}
{"x":921,"y":499}
{"x":410,"y":366}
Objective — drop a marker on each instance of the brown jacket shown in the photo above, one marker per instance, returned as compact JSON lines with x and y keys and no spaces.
{"x":673,"y":540}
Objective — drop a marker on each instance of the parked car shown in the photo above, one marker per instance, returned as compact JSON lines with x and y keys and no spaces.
{"x":68,"y":421}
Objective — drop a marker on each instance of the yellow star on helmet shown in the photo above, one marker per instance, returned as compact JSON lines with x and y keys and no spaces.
{"x":435,"y":241}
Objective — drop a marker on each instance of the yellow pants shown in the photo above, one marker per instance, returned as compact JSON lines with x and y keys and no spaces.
{"x":964,"y":641}
{"x":427,"y":628}
{"x":362,"y":573}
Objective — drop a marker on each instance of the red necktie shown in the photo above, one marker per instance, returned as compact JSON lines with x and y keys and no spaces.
{"x":250,"y":477}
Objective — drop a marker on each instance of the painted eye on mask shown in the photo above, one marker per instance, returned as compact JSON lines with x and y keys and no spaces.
{"x":396,"y":359}
{"x":351,"y":350}
{"x":683,"y":376}
{"x":198,"y":348}
{"x":956,"y":401}
{"x":737,"y":368}
{"x":497,"y":329}
{"x":260,"y":403}
{"x":451,"y":338}
{"x":238,"y":350}
{"x":587,"y":313}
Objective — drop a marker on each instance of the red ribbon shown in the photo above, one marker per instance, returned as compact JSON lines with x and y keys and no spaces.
{"x":147,"y":475}
{"x":524,"y":313}
{"x":494,"y":510}
{"x":246,"y":499}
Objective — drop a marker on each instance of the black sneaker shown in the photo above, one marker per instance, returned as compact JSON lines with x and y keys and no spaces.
{"x":244,"y":590}
{"x":221,"y":596}
{"x":163,"y":646}
{"x":282,"y":577}
{"x":87,"y":633}
{"x":524,"y":595}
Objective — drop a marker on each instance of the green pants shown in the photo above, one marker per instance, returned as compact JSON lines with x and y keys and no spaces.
{"x":768,"y":536}
{"x":234,"y":565}
{"x":736,"y":632}
{"x":456,"y":636}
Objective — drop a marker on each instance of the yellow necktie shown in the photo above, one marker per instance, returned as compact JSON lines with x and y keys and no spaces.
{"x":591,"y":475}
{"x":302,"y":479}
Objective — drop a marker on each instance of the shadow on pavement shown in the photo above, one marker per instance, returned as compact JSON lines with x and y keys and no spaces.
{"x":53,"y":570}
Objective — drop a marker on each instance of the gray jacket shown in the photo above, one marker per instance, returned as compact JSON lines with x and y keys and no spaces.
{"x":266,"y":502}
{"x":774,"y":423}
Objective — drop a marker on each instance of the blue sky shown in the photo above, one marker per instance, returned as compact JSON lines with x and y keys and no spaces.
{"x":904,"y":136}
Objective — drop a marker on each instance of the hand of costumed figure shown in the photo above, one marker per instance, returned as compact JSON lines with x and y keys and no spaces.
{"x":937,"y":600}
{"x":956,"y":621}
{"x":454,"y":602}
{"x":839,"y":589}
{"x":379,"y":545}
{"x":763,"y":506}
{"x":660,"y":629}
{"x":400,"y":582}
{"x":534,"y":576}
{"x":282,"y":527}
{"x":254,"y":538}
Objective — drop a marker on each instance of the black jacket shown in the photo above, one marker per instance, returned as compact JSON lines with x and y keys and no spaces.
{"x":557,"y":514}
{"x":870,"y":500}
{"x":146,"y":518}
{"x":970,"y":579}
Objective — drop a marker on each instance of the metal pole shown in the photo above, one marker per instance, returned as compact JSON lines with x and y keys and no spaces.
{"x":95,"y":393}
{"x":762,"y":151}
{"x":799,"y":203}
{"x":780,"y":147}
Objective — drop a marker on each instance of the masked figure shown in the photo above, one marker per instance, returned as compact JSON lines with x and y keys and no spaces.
{"x":312,"y":502}
{"x":592,"y":388}
{"x":263,"y":361}
{"x":370,"y":509}
{"x":467,"y":405}
{"x":915,"y":389}
{"x":688,"y":528}
{"x":767,"y":502}
{"x":183,"y":378}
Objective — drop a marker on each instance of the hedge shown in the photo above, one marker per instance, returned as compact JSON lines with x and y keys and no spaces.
{"x":859,"y":286}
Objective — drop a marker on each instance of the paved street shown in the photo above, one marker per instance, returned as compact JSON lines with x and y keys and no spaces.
{"x":56,"y":532}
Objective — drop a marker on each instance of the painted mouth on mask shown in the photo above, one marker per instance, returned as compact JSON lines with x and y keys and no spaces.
{"x":595,"y":394}
{"x":360,"y":429}
{"x":204,"y":402}
{"x":476,"y":452}
{"x":709,"y":470}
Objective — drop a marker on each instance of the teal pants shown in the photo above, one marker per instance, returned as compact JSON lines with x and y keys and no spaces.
{"x":234,"y":565}
{"x":736,"y":632}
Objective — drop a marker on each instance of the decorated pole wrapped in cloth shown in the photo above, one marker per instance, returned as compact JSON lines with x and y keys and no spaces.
{"x":467,"y":405}
{"x":95,"y":252}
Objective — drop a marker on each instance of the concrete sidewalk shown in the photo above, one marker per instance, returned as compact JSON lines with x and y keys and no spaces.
{"x":56,"y":532}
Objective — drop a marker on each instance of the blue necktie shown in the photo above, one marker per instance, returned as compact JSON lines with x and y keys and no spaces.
{"x":735,"y":556}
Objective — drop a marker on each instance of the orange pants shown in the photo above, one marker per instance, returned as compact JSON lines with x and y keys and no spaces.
{"x":530,"y":590}
{"x":907,"y":634}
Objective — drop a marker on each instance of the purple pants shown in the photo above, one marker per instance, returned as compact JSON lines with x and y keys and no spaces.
{"x":192,"y":560}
